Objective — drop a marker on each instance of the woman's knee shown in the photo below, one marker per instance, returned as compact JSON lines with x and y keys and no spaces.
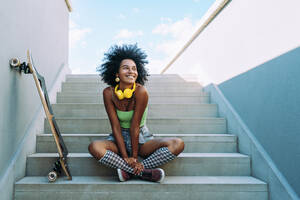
{"x":176,"y":146}
{"x":97,"y":149}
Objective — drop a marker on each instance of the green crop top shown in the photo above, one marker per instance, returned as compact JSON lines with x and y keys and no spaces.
{"x":126,"y":116}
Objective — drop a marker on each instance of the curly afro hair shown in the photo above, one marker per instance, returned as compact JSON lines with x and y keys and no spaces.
{"x":113,"y":58}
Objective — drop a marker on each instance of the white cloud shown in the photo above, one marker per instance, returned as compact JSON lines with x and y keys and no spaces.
{"x":179,"y":31}
{"x":165,"y":19}
{"x":121,"y":16}
{"x":155,"y":66}
{"x":151,"y":44}
{"x":79,"y":70}
{"x":136,"y":10}
{"x":125,"y":34}
{"x":100,"y":52}
{"x":88,"y":69}
{"x":83,"y":44}
{"x":77,"y":34}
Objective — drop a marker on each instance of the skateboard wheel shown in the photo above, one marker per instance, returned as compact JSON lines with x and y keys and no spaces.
{"x":14,"y":62}
{"x":52,"y":176}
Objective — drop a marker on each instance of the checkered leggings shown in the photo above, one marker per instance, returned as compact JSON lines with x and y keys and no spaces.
{"x":159,"y":157}
{"x":113,"y":160}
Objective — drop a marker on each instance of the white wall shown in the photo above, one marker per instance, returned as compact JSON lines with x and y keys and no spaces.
{"x":245,"y":34}
{"x":42,"y":27}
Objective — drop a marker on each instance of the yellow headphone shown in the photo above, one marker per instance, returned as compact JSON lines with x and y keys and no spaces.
{"x":126,"y":94}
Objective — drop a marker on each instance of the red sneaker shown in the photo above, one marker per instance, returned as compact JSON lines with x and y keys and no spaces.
{"x":154,"y":175}
{"x":123,"y":176}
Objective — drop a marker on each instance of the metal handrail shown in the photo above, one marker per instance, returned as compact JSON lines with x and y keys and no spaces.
{"x":195,"y":35}
{"x":69,"y":5}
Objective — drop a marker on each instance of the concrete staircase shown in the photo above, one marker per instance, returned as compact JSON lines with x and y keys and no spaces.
{"x":210,"y":167}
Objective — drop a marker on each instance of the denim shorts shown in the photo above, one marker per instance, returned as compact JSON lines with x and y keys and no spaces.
{"x":144,"y":136}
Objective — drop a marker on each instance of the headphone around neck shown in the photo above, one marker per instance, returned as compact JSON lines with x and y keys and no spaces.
{"x":126,"y":94}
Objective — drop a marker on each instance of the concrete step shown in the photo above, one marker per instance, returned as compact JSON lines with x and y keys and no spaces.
{"x":186,"y":164}
{"x":186,"y":77}
{"x":148,"y":84}
{"x":86,"y":86}
{"x":197,"y":143}
{"x":155,"y":125}
{"x":97,"y":75}
{"x":154,"y":97}
{"x":151,"y":78}
{"x":173,"y":187}
{"x":154,"y":110}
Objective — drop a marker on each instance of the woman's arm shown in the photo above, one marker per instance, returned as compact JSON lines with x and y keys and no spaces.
{"x":141,"y":98}
{"x":114,"y":121}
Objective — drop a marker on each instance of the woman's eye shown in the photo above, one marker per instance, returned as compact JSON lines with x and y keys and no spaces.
{"x":128,"y":68}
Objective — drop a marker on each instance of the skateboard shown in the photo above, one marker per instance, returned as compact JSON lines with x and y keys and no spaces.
{"x":61,"y":163}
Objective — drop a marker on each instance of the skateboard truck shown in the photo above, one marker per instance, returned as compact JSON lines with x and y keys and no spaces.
{"x":56,"y":171}
{"x":17,"y":65}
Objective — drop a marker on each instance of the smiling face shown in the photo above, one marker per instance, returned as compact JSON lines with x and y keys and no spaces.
{"x":127,"y":72}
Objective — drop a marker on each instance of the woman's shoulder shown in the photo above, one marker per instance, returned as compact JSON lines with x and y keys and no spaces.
{"x":141,"y":93}
{"x":140,"y":89}
{"x":107,"y":91}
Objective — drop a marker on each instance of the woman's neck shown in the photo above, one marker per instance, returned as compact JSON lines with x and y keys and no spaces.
{"x":123,"y":86}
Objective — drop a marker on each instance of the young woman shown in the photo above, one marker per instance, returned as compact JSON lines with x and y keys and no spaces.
{"x":126,"y":104}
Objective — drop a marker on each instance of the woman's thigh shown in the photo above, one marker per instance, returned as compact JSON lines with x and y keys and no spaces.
{"x":98,"y":148}
{"x":175,"y":145}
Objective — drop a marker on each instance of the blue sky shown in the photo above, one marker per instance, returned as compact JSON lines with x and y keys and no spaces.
{"x":160,"y":28}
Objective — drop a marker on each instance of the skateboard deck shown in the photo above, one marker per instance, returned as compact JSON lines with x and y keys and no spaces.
{"x":61,"y":163}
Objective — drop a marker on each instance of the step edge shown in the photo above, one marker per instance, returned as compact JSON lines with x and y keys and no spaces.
{"x":182,"y":155}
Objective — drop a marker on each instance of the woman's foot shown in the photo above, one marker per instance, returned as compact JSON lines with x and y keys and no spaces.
{"x":154,"y":175}
{"x":123,"y":176}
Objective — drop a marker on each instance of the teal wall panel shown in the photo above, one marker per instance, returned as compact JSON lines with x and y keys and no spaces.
{"x":267,"y":98}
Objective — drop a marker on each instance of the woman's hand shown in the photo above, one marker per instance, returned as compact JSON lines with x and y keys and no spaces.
{"x":131,"y":161}
{"x":137,"y":166}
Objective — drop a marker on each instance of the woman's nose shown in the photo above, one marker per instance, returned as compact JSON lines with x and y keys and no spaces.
{"x":131,"y":70}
